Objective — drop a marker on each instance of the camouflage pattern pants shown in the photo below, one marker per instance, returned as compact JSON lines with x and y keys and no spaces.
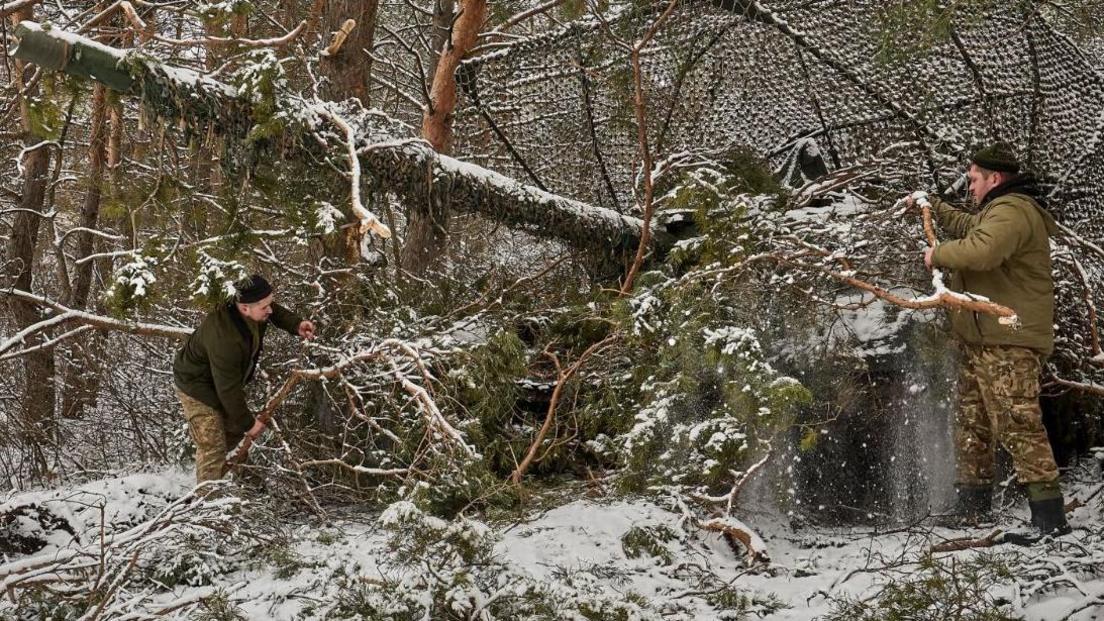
{"x":998,"y":401}
{"x":212,"y":437}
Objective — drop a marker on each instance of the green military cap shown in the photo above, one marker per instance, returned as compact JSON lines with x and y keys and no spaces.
{"x":998,"y":157}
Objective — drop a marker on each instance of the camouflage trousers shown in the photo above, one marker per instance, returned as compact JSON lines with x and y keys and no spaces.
{"x":998,"y":401}
{"x":212,"y":435}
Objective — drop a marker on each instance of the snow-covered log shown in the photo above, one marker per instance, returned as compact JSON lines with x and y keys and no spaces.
{"x":388,"y":152}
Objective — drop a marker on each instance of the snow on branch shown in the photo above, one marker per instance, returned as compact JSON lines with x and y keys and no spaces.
{"x":11,"y":7}
{"x":387,"y":152}
{"x":96,"y":571}
{"x":368,"y":220}
{"x":280,"y":41}
{"x":379,"y":352}
{"x":100,"y":322}
{"x":951,"y":299}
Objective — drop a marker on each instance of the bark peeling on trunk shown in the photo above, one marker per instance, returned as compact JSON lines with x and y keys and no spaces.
{"x":427,"y":234}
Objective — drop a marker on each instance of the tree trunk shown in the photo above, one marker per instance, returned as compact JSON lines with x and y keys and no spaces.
{"x":427,"y":232}
{"x":348,"y":67}
{"x":79,"y":383}
{"x":427,"y":229}
{"x":36,"y":415}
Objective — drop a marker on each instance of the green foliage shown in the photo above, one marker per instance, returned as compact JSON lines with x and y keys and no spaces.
{"x":747,"y":172}
{"x":285,"y":561}
{"x":44,"y":605}
{"x":261,"y":79}
{"x":486,"y":383}
{"x":186,"y":566}
{"x":485,"y":386}
{"x":218,"y":607}
{"x":733,"y":603}
{"x":329,"y":537}
{"x":498,"y":12}
{"x":447,"y":570}
{"x":214,"y":283}
{"x":641,"y":541}
{"x":460,"y":483}
{"x":710,"y":398}
{"x":132,"y":283}
{"x":45,"y":118}
{"x":936,"y":590}
{"x":574,"y":9}
{"x":809,"y":440}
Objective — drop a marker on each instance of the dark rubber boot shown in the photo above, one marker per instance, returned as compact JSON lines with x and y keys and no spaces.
{"x":972,"y":508}
{"x":1049,"y":516}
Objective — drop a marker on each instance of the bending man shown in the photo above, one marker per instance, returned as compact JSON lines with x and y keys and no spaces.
{"x":211,"y":370}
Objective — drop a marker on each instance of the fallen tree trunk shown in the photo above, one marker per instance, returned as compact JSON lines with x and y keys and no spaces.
{"x":388,"y":151}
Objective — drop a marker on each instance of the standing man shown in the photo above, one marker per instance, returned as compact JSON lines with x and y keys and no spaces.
{"x":1002,"y":253}
{"x":211,"y":370}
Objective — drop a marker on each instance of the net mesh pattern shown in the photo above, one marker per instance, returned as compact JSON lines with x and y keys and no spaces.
{"x":921,"y":83}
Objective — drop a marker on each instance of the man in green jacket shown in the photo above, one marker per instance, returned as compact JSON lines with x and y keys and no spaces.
{"x":211,"y":370}
{"x":1002,"y":252}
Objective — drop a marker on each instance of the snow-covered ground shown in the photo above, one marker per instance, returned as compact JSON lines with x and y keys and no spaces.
{"x":167,"y":555}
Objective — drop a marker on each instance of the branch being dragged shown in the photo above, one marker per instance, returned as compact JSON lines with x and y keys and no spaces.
{"x":951,"y":299}
{"x":942,"y":298}
{"x":434,"y":419}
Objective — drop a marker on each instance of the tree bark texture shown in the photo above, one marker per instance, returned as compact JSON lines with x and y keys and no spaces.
{"x":427,"y":231}
{"x":80,"y":376}
{"x":36,"y":416}
{"x":347,"y":69}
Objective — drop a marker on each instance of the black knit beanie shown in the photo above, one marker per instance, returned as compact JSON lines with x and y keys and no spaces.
{"x":998,"y":157}
{"x":253,"y":289}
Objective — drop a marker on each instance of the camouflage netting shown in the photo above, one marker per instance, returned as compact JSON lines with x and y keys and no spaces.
{"x":838,"y":84}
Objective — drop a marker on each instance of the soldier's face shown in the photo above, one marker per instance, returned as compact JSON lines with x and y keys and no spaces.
{"x":981,"y":181}
{"x":258,"y":311}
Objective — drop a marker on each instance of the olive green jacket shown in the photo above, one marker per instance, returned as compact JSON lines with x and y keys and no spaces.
{"x":1001,"y":253}
{"x":218,"y":359}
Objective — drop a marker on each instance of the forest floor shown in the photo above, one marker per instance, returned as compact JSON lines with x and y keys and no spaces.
{"x":302,"y":568}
